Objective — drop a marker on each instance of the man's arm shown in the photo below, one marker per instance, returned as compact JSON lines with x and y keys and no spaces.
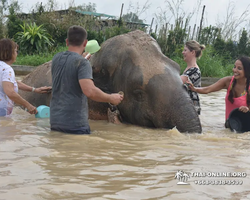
{"x":91,"y":91}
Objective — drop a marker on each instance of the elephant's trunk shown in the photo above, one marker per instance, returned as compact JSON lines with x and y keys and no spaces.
{"x":185,"y":118}
{"x":180,"y":114}
{"x":173,"y":107}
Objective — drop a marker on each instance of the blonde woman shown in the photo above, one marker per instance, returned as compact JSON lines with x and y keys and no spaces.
{"x":191,"y":52}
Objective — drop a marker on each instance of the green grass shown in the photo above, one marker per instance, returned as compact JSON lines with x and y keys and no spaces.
{"x":38,"y":59}
{"x":211,"y":65}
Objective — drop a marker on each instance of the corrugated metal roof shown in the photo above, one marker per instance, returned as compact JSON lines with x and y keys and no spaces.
{"x":108,"y":16}
{"x":95,"y":14}
{"x":138,"y":23}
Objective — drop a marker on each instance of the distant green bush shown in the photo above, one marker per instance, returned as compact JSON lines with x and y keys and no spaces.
{"x":33,"y":39}
{"x":211,"y":64}
{"x":37,"y":59}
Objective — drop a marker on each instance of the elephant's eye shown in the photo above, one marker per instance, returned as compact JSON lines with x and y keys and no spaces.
{"x":139,"y":95}
{"x":103,"y":71}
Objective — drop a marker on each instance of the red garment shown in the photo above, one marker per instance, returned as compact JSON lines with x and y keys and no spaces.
{"x":238,"y":102}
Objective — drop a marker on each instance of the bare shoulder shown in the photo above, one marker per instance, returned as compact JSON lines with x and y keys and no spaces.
{"x":226,"y":81}
{"x":222,"y":83}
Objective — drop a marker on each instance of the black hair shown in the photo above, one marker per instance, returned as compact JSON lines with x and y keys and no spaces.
{"x":245,"y":60}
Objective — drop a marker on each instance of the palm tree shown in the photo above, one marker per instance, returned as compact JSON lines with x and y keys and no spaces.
{"x":185,"y":177}
{"x":179,"y":175}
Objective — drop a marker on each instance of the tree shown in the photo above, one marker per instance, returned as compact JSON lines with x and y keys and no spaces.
{"x":3,"y":7}
{"x":219,"y":44}
{"x":135,"y":11}
{"x":243,"y":43}
{"x":231,"y":50}
{"x":231,"y":23}
{"x":174,"y":11}
{"x":13,"y":20}
{"x":90,"y":7}
{"x":41,"y":8}
{"x":208,"y":35}
{"x":131,"y":17}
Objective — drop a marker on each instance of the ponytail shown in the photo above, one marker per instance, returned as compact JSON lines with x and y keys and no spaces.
{"x":248,"y":94}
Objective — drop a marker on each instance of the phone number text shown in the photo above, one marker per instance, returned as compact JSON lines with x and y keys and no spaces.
{"x":218,"y":182}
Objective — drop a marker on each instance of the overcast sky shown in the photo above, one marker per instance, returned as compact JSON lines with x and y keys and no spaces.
{"x":214,"y":10}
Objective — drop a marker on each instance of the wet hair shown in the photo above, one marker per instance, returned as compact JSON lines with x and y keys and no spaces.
{"x":76,"y":35}
{"x":7,"y":49}
{"x":193,"y":45}
{"x":245,"y":60}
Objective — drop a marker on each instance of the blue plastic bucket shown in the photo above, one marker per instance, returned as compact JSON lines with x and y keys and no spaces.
{"x":43,"y":112}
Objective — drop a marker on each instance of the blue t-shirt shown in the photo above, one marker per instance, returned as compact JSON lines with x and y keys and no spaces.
{"x":69,"y":105}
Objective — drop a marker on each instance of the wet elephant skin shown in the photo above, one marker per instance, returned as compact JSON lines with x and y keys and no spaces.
{"x":154,"y":95}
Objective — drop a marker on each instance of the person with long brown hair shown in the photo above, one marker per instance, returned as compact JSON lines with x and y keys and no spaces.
{"x":238,"y":94}
{"x":8,"y":84}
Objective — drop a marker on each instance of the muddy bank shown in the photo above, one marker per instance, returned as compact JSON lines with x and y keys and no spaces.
{"x":205,"y":81}
{"x":21,"y":70}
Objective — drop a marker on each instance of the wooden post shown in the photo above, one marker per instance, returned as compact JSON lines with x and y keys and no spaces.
{"x":150,"y":30}
{"x":156,"y":29}
{"x":186,"y":23}
{"x":198,"y":30}
{"x":161,"y":31}
{"x":209,"y":35}
{"x":120,"y":19}
{"x":181,"y":24}
{"x":193,"y":32}
{"x":189,"y":29}
{"x":121,"y":11}
{"x":201,"y":22}
{"x":166,"y":29}
{"x":177,"y":24}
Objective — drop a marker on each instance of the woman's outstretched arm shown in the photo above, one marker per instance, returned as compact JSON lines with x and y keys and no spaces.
{"x":223,"y":83}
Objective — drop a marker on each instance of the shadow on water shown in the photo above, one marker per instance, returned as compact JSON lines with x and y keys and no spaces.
{"x":120,"y":161}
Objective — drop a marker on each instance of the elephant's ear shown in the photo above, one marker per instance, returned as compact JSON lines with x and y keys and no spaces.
{"x":102,"y":80}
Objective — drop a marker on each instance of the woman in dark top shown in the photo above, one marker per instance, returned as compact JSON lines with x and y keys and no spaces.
{"x":191,"y":52}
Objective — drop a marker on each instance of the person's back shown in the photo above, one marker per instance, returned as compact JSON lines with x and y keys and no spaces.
{"x":71,"y":85}
{"x":69,"y":106}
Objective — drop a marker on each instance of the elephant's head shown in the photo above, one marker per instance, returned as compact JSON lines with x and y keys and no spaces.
{"x":154,"y":95}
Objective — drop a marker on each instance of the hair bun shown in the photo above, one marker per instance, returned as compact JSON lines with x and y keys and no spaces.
{"x":202,"y":47}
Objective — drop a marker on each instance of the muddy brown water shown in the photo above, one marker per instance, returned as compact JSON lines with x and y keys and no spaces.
{"x":123,"y":161}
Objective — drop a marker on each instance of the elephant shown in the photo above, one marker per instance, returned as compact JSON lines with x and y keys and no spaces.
{"x":154,"y":95}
